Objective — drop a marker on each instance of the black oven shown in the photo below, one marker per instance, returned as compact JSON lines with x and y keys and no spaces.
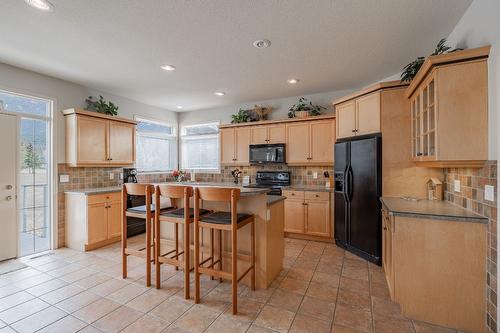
{"x":267,"y":154}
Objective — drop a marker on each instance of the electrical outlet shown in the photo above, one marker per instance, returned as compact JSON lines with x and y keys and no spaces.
{"x":315,"y":175}
{"x":456,"y":186}
{"x":63,"y":178}
{"x":489,"y":193}
{"x":111,"y":176}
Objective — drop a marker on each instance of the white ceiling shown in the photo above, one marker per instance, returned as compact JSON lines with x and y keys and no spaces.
{"x":117,"y":46}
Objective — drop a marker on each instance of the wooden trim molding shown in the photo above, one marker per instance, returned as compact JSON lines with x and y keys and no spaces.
{"x":77,"y":111}
{"x":370,"y":89}
{"x":443,"y":59}
{"x":452,"y":164}
{"x":280,"y":121}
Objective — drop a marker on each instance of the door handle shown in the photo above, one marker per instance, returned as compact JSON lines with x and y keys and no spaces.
{"x":8,"y":198}
{"x":349,"y":183}
{"x":8,"y":187}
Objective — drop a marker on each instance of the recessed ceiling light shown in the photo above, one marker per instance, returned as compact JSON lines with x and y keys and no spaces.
{"x":179,"y":106}
{"x":293,"y":81}
{"x":219,"y":93}
{"x":262,"y":43}
{"x":40,"y":4}
{"x":168,"y":67}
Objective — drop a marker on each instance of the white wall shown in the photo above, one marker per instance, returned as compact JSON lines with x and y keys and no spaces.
{"x":480,"y":26}
{"x":280,"y":105}
{"x":68,"y":95}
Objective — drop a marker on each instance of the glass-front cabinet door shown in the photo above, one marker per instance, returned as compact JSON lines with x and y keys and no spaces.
{"x":423,"y":122}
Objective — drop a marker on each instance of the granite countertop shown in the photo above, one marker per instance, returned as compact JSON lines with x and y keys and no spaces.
{"x":434,"y":209}
{"x":272,"y":199}
{"x":244,"y":191}
{"x":312,"y":188}
{"x":97,"y":190}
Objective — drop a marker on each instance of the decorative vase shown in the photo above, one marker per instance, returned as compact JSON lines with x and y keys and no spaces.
{"x":301,"y":114}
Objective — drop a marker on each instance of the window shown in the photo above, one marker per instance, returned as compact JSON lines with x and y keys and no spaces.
{"x":200,"y":147}
{"x":156,"y":146}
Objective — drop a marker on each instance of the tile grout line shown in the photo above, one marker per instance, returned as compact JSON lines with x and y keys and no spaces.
{"x":269,"y":298}
{"x":308,"y":285}
{"x":337,"y":298}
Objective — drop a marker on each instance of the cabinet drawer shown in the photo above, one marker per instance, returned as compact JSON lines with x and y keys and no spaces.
{"x":320,"y":196}
{"x":105,"y":197}
{"x":293,"y":194}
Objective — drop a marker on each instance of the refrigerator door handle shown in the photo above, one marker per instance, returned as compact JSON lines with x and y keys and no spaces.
{"x":349,"y":183}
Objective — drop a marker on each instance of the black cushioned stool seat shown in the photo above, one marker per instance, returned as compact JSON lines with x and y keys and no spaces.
{"x":180,"y":212}
{"x":223,"y":218}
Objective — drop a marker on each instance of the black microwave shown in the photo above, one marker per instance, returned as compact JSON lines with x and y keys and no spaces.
{"x":268,"y":153}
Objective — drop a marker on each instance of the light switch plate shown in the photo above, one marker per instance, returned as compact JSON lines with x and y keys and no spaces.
{"x":456,"y":186}
{"x":111,"y":176}
{"x":315,"y":175}
{"x":121,"y":175}
{"x":489,"y":193}
{"x":63,"y":178}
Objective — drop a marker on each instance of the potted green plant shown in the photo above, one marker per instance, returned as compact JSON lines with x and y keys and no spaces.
{"x":107,"y":108}
{"x":243,"y":116}
{"x":410,"y":71}
{"x":304,"y":108}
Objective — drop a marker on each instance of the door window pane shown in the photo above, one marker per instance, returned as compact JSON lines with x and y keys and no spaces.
{"x":23,"y":104}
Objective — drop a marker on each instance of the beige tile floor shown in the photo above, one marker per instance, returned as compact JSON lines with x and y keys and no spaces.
{"x":321,"y":289}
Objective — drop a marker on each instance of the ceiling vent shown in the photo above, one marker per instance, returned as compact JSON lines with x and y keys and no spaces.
{"x":262,"y":43}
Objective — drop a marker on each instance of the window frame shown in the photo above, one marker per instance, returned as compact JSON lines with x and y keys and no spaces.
{"x":181,"y":136}
{"x":174,"y":137}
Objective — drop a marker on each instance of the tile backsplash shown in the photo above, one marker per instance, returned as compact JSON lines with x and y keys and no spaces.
{"x":471,"y":196}
{"x":85,"y":177}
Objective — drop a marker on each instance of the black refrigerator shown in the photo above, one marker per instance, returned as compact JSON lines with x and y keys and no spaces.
{"x":358,"y":187}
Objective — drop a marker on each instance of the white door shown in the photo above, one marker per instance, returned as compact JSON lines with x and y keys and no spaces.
{"x":8,"y":225}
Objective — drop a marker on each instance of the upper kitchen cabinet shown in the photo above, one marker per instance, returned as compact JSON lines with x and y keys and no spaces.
{"x":449,"y":110}
{"x":268,"y":134}
{"x":359,"y":116}
{"x":310,"y":142}
{"x":360,"y":113}
{"x":94,"y":139}
{"x":235,"y":142}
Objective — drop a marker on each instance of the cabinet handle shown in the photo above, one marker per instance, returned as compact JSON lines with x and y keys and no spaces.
{"x":317,"y":195}
{"x":385,"y":228}
{"x":354,"y":131}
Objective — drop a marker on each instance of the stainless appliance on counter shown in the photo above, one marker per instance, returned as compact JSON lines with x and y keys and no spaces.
{"x":274,"y":180}
{"x":267,"y":153}
{"x":135,"y":226}
{"x":358,"y":187}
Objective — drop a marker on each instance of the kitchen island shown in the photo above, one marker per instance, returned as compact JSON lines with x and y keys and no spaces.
{"x":269,"y":234}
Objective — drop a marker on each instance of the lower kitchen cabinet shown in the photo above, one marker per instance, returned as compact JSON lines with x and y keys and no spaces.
{"x":92,"y":220}
{"x":436,"y":269}
{"x":308,"y":213}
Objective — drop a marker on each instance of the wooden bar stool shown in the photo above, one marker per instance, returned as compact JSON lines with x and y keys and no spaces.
{"x":176,"y":216}
{"x":228,"y":221}
{"x":144,"y":212}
